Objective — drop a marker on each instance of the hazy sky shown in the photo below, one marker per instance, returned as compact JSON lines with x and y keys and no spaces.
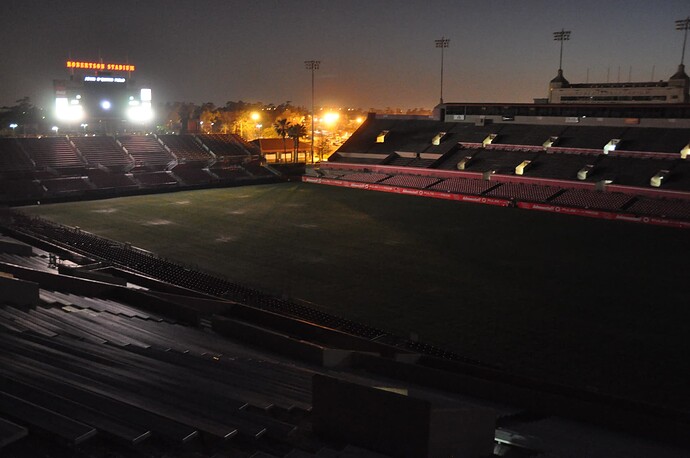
{"x":373,"y":53}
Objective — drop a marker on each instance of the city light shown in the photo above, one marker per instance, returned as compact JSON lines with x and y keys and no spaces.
{"x":330,"y":118}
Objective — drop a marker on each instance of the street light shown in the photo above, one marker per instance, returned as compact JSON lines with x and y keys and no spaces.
{"x":13,"y":126}
{"x":683,"y":24}
{"x":563,"y":35}
{"x":55,"y":129}
{"x":443,"y":44}
{"x":312,"y":65}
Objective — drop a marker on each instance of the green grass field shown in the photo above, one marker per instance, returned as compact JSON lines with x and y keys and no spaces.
{"x":580,"y":301}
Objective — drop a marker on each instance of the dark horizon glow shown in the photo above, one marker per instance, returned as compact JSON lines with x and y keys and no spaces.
{"x":373,"y":53}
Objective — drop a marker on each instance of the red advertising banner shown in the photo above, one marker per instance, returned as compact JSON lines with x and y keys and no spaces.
{"x":501,"y":202}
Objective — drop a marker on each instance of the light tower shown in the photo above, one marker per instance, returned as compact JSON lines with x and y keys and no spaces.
{"x":563,"y":35}
{"x":683,"y":24}
{"x":312,"y":65}
{"x":442,"y":43}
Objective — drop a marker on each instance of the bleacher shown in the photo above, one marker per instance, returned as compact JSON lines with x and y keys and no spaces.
{"x":155,"y":179}
{"x":67,"y":185}
{"x":103,"y":151}
{"x":411,"y":181}
{"x":665,"y":208}
{"x":257,"y":169}
{"x":52,"y":152}
{"x":365,"y":177}
{"x":67,"y":168}
{"x":463,"y":186}
{"x":518,"y":134}
{"x":629,"y":171}
{"x":186,"y":149}
{"x":524,"y":192}
{"x":560,"y":166}
{"x":582,"y":198}
{"x":499,"y":161}
{"x":453,"y":158}
{"x":107,"y":180}
{"x":192,"y":176}
{"x":230,"y":173}
{"x":654,"y":140}
{"x":228,"y":148}
{"x":588,"y":137}
{"x":147,"y":152}
{"x":12,"y":157}
{"x":636,"y":162}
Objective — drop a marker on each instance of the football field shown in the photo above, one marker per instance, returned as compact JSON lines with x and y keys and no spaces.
{"x":580,"y":301}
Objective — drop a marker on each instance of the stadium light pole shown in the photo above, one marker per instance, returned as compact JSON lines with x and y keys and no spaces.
{"x":563,"y":35}
{"x":683,"y":24}
{"x":312,"y":65}
{"x":443,"y":44}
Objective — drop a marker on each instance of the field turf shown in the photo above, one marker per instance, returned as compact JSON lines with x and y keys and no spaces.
{"x":580,"y":301}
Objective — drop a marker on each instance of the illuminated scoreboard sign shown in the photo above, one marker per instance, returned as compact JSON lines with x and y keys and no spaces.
{"x":104,"y":79}
{"x":100,"y":66}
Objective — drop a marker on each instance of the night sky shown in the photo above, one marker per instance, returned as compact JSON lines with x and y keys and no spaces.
{"x":373,"y":53}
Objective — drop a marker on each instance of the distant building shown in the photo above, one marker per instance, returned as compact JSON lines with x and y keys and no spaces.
{"x":675,"y":90}
{"x":274,"y":150}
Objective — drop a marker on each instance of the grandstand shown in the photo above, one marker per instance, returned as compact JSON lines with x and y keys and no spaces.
{"x":72,"y":167}
{"x":606,"y":164}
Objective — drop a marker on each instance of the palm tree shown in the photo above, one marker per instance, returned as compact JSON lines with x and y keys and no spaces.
{"x":295,"y":132}
{"x":282,"y":126}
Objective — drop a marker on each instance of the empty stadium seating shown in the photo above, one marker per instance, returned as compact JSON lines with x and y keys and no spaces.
{"x":582,"y":198}
{"x":365,"y":177}
{"x":192,"y":175}
{"x":103,"y":151}
{"x":410,"y":181}
{"x":228,"y":148}
{"x":155,"y":179}
{"x":54,"y":152}
{"x":12,"y":157}
{"x":463,"y":186}
{"x":524,"y":192}
{"x":546,"y":156}
{"x":67,"y":168}
{"x":665,"y":208}
{"x":147,"y":152}
{"x":186,"y":149}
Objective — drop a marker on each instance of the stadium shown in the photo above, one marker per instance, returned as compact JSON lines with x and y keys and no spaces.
{"x":493,"y":280}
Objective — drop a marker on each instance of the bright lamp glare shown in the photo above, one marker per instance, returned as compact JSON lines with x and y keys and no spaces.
{"x":64,"y":111}
{"x":331,"y":117}
{"x":105,"y":104}
{"x":142,"y":113}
